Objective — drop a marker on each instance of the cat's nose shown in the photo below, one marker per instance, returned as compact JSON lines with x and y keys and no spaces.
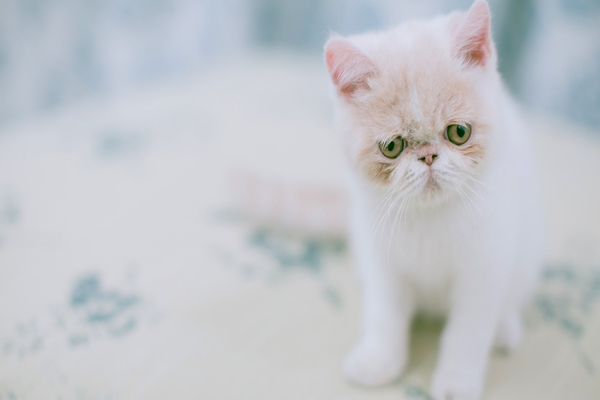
{"x":428,"y":158}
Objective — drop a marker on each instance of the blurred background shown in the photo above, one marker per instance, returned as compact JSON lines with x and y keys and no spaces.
{"x":55,"y":52}
{"x":126,"y":268}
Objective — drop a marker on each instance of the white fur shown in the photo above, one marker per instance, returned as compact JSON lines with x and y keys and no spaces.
{"x":470,"y":251}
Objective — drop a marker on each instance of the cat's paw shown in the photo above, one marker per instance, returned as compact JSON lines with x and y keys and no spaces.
{"x":372,"y":365}
{"x":509,"y":333}
{"x":447,"y":386}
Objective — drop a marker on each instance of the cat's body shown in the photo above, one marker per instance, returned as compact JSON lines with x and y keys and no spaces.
{"x":425,"y":243}
{"x":445,"y":227}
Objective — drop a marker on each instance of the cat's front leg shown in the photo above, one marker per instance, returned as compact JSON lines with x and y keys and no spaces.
{"x":469,"y":332}
{"x":381,"y":354}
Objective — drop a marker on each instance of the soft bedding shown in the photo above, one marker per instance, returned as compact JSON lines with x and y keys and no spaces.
{"x":125,"y":273}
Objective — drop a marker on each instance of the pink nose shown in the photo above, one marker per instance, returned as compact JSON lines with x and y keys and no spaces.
{"x":428,"y":158}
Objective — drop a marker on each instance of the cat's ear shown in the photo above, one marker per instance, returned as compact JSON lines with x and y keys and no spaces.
{"x":473,"y":38}
{"x":348,"y":67}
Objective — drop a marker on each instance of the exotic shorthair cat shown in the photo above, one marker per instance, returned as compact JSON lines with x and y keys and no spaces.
{"x":445,"y":212}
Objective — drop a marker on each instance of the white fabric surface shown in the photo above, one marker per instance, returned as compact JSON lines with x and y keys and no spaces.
{"x":125,"y":275}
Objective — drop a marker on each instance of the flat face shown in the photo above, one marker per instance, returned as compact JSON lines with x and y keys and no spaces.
{"x":420,"y":94}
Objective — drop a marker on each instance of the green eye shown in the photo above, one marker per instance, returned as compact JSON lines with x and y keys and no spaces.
{"x":458,"y":134}
{"x":393,"y":148}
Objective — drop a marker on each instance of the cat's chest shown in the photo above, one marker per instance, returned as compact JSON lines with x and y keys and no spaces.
{"x":431,"y":240}
{"x":427,"y":254}
{"x":429,"y":271}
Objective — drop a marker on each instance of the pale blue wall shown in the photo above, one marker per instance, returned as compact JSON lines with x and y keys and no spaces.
{"x":55,"y":51}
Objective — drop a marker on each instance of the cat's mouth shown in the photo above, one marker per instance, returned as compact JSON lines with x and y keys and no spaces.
{"x":430,"y":185}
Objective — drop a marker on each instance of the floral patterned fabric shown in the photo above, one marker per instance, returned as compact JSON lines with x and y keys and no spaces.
{"x":126,"y":274}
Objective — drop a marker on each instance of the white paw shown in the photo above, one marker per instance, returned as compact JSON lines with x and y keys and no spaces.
{"x":371,"y":364}
{"x":446,"y":386}
{"x":509,"y":333}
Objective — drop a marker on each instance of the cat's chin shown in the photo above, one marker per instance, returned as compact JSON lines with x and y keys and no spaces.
{"x":430,"y":193}
{"x":433,"y":197}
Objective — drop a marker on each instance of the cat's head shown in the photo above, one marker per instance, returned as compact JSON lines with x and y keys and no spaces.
{"x":414,"y":105}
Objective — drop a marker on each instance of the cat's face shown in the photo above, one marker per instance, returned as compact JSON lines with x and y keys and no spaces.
{"x":411,"y":106}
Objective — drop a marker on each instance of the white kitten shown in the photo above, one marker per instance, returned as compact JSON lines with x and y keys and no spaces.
{"x":445,"y":211}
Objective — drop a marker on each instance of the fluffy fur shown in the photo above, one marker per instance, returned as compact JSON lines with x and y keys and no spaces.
{"x":461,"y":237}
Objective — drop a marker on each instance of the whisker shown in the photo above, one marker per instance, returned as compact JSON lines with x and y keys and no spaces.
{"x":393,"y":229}
{"x":483,"y":184}
{"x":386,"y":200}
{"x":462,"y":196}
{"x":475,"y":205}
{"x":481,"y":197}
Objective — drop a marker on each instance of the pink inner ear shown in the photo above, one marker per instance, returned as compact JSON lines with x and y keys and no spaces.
{"x":347,"y":66}
{"x":472,"y":42}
